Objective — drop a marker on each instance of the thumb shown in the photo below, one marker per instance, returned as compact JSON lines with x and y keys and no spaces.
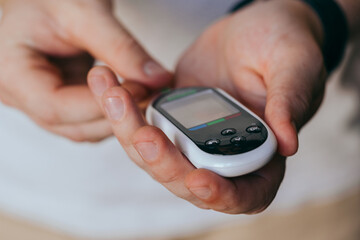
{"x":293,"y":97}
{"x":107,"y":40}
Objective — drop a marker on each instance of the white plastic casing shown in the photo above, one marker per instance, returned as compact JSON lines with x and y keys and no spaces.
{"x":224,"y":165}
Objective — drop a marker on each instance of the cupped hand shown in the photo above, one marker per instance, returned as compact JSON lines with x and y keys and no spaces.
{"x":47,"y":49}
{"x":268,"y":56}
{"x":151,"y":150}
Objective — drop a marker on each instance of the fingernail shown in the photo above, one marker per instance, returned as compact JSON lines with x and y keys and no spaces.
{"x":114,"y":108}
{"x":152,"y":68}
{"x":202,"y":193}
{"x":99,"y":85}
{"x":147,"y":150}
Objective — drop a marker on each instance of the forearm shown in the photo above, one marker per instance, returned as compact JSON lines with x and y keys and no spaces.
{"x":352,"y":11}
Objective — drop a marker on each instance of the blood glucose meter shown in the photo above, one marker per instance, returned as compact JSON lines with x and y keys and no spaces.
{"x":213,"y":130}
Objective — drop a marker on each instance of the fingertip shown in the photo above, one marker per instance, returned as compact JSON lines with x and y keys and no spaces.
{"x":157,"y":75}
{"x":117,"y":92}
{"x":278,"y":117}
{"x":162,"y":81}
{"x":287,"y":137}
{"x":100,"y":78}
{"x":117,"y":102}
{"x":102,"y":71}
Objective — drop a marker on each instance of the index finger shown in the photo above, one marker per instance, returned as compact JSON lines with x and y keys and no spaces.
{"x":118,"y":49}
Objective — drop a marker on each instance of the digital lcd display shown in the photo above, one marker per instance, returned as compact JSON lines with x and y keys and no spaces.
{"x":199,"y":108}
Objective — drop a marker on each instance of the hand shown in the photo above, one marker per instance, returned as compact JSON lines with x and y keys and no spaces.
{"x":151,"y":150}
{"x":271,"y":63}
{"x":47,"y":49}
{"x":267,"y":55}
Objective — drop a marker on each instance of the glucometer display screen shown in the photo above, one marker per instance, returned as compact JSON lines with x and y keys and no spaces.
{"x":199,"y":108}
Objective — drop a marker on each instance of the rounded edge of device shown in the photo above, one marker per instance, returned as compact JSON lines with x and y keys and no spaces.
{"x":229,"y":166}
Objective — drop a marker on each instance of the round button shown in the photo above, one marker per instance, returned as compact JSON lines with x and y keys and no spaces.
{"x":212,"y":142}
{"x":228,"y":131}
{"x":253,"y":129}
{"x":238,"y":140}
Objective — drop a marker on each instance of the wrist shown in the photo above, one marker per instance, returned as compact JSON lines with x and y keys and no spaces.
{"x":351,"y":9}
{"x":325,"y":20}
{"x":297,"y":8}
{"x":311,"y":20}
{"x":335,"y":30}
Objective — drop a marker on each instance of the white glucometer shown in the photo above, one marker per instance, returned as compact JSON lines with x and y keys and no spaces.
{"x":213,"y":130}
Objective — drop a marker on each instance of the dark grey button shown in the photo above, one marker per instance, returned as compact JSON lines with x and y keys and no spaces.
{"x":228,"y":131}
{"x":212,"y":142}
{"x":238,"y":140}
{"x":253,"y":129}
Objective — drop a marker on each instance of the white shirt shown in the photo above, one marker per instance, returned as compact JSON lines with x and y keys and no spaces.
{"x":95,"y":190}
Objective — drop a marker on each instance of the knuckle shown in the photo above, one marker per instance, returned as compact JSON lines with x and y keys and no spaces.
{"x":77,"y":135}
{"x":5,"y":101}
{"x":77,"y":138}
{"x":203,"y":206}
{"x":48,"y":115}
{"x":97,"y":139}
{"x":71,"y":133}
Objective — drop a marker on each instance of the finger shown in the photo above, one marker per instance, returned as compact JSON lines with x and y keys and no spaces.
{"x":147,"y":146}
{"x":295,"y":90}
{"x":83,"y":132}
{"x":101,"y":78}
{"x":39,"y":91}
{"x":251,"y":193}
{"x":164,"y":162}
{"x":118,"y":49}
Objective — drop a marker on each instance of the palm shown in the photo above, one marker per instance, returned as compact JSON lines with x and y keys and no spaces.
{"x":260,"y":61}
{"x":206,"y":63}
{"x":244,"y":55}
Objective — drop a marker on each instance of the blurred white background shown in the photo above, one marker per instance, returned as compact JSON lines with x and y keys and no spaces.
{"x":79,"y":189}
